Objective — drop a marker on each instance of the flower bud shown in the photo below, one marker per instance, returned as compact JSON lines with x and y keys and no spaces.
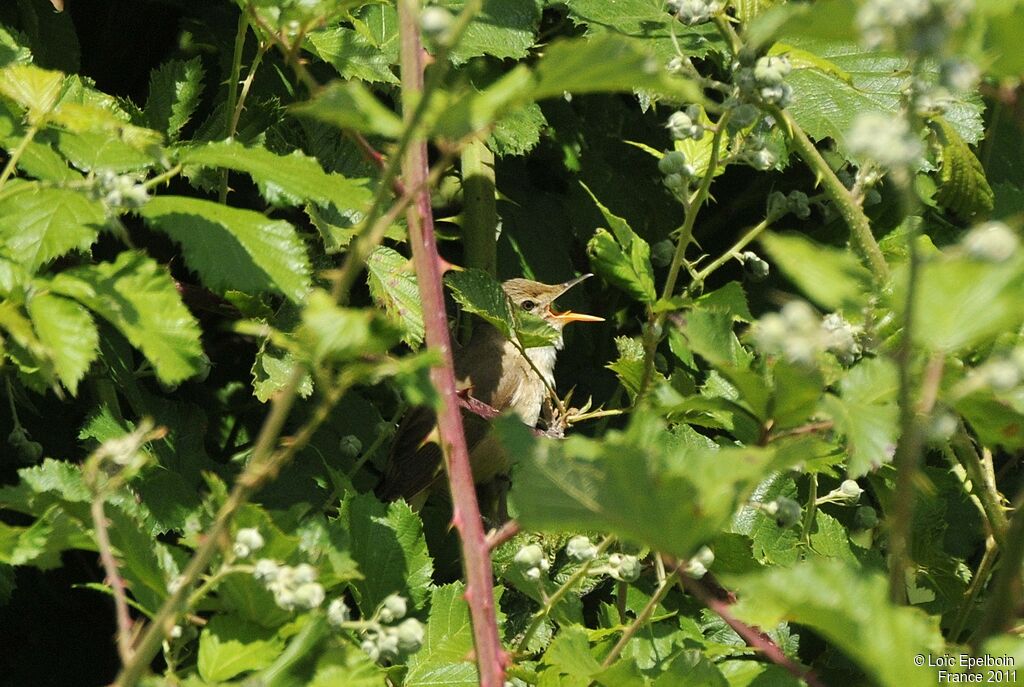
{"x":338,"y":612}
{"x":624,"y":567}
{"x":393,"y":608}
{"x":580,"y":548}
{"x":410,"y":635}
{"x":529,"y":556}
{"x":991,"y":242}
{"x":787,"y":512}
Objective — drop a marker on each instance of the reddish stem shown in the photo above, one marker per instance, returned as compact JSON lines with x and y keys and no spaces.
{"x":754,"y":637}
{"x":491,"y":657}
{"x":501,"y":535}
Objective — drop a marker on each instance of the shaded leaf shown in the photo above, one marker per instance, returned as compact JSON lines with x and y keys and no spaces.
{"x":175,"y":88}
{"x":393,"y":286}
{"x":139,"y":298}
{"x":232,"y":248}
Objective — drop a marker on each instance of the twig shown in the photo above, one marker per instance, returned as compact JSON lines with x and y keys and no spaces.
{"x":264,"y":465}
{"x":114,"y":579}
{"x":755,"y":638}
{"x":496,"y":538}
{"x":12,"y":161}
{"x":1005,"y":594}
{"x":490,"y":655}
{"x":641,"y":619}
{"x":978,"y":582}
{"x":991,"y":503}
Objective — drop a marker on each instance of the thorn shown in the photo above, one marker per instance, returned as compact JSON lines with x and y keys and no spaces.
{"x":445,"y":265}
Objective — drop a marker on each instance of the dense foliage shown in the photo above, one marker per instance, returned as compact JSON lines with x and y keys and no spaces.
{"x":790,"y":454}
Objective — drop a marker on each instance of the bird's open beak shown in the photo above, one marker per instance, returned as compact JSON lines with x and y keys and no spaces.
{"x":570,"y":316}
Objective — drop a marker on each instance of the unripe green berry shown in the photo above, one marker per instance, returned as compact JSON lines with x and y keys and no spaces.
{"x":865,"y":518}
{"x":393,"y":608}
{"x":349,"y":446}
{"x":787,"y":512}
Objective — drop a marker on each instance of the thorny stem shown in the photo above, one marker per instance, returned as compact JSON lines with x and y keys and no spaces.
{"x":751,"y":635}
{"x":490,"y":655}
{"x":734,"y":250}
{"x":114,"y":579}
{"x":991,"y":503}
{"x":908,"y":450}
{"x":563,"y":589}
{"x":150,"y":184}
{"x":265,"y":464}
{"x":506,"y":532}
{"x":1006,"y":591}
{"x":236,"y":73}
{"x":849,"y":210}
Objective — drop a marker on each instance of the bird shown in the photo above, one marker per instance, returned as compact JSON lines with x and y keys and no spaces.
{"x":491,"y":369}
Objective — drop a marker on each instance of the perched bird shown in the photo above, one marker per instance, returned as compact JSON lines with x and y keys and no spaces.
{"x":491,"y":369}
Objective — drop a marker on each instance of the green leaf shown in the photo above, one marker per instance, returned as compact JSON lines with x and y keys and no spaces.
{"x":33,"y":89}
{"x":443,"y":658}
{"x":349,"y":666}
{"x":351,"y":105}
{"x":505,"y":29}
{"x":645,"y":24}
{"x":961,"y":302}
{"x":352,"y":54}
{"x":769,"y":543}
{"x":175,"y":88}
{"x":271,"y":371}
{"x":851,"y":609}
{"x":830,"y":277}
{"x":825,"y":104}
{"x":393,"y":287}
{"x":621,"y":257}
{"x":139,"y":298}
{"x":68,"y":332}
{"x":331,"y":332}
{"x":631,"y":483}
{"x":865,"y":412}
{"x":386,"y":540}
{"x":284,"y":180}
{"x":471,"y":110}
{"x":38,"y":224}
{"x":232,"y":248}
{"x":479,"y":293}
{"x":831,"y":540}
{"x":569,"y":654}
{"x":963,"y":188}
{"x":517,"y":132}
{"x":606,"y":63}
{"x":629,"y":367}
{"x":229,"y":646}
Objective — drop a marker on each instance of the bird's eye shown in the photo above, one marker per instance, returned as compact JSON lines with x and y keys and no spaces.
{"x":527,"y":305}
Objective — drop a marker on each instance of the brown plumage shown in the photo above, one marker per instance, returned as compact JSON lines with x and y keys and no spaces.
{"x":490,"y":369}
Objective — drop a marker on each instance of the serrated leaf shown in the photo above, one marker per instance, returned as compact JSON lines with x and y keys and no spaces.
{"x":229,"y":646}
{"x":68,"y":332}
{"x":865,"y":413}
{"x":350,"y":666}
{"x":139,"y":298}
{"x":330,"y":332}
{"x":352,"y":54}
{"x":393,"y":286}
{"x":33,"y":89}
{"x":605,"y":64}
{"x":963,"y":188}
{"x":283,"y":179}
{"x":770,"y":544}
{"x":38,"y":224}
{"x":386,"y":540}
{"x":505,"y":29}
{"x":629,"y":367}
{"x":646,"y":24}
{"x":621,"y":257}
{"x":961,"y":302}
{"x":471,"y":110}
{"x":830,"y":277}
{"x":442,"y":660}
{"x":175,"y":88}
{"x":518,"y":132}
{"x":630,"y":483}
{"x":825,"y":104}
{"x":351,"y":105}
{"x":271,"y":371}
{"x":232,"y":248}
{"x":849,"y":607}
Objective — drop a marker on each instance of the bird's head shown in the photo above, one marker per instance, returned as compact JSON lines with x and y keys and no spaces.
{"x":537,"y":298}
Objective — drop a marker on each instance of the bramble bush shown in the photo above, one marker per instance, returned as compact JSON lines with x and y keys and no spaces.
{"x":790,"y":455}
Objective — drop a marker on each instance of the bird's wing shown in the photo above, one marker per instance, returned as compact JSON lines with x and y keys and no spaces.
{"x":415,"y":457}
{"x":415,"y":461}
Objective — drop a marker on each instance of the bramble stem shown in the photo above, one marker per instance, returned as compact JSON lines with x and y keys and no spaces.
{"x":230,"y":122}
{"x":479,"y":214}
{"x":641,"y":619}
{"x":967,"y":455}
{"x":490,"y":655}
{"x":849,"y":210}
